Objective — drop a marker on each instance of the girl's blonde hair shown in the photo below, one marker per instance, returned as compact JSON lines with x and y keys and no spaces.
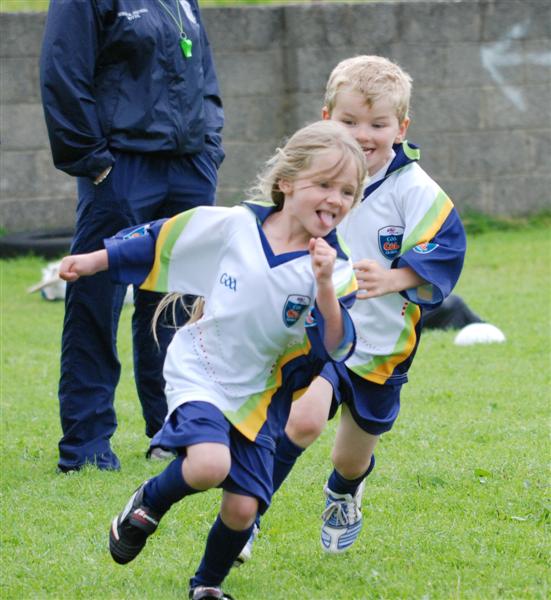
{"x":298,"y":154}
{"x":374,"y":77}
{"x":170,"y":302}
{"x":287,"y":163}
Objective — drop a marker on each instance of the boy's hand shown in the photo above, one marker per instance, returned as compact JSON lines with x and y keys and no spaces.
{"x":323,"y":260}
{"x":374,"y":280}
{"x":78,"y":265}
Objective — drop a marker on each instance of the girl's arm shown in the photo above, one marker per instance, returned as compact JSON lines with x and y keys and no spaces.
{"x":78,"y":265}
{"x":323,"y":261}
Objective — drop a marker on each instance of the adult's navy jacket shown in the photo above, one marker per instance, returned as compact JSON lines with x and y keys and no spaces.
{"x":113,"y":76}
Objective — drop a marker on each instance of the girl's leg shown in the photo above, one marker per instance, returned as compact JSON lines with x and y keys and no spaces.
{"x":205,"y":466}
{"x":226,"y":538}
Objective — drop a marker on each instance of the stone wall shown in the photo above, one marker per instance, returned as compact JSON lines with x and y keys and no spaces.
{"x":481,"y":108}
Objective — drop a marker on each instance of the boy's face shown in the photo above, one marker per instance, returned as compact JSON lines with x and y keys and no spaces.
{"x":375,"y":128}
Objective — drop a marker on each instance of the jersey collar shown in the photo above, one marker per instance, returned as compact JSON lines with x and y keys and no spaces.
{"x":262,"y":210}
{"x":406,"y":153}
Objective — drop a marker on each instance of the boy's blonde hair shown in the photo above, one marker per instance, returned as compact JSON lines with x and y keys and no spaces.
{"x":374,"y":77}
{"x":298,"y":154}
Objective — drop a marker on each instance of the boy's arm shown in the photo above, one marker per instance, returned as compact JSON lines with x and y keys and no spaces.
{"x":374,"y":280}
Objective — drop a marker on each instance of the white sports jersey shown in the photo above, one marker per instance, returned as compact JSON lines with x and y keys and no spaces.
{"x":405,"y":219}
{"x":255,"y":310}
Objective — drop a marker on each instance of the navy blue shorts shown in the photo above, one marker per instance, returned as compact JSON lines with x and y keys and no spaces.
{"x":251,"y":465}
{"x":374,"y":407}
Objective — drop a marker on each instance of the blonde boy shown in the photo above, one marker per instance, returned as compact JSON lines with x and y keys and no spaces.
{"x":408,"y":246}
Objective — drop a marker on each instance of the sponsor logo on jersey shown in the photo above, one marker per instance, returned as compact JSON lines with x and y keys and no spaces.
{"x":229,"y":281}
{"x":425,"y":247}
{"x":295,"y":305}
{"x":139,"y":232}
{"x":390,"y":241}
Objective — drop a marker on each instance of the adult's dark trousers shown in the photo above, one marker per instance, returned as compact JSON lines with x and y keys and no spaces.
{"x":139,"y":189}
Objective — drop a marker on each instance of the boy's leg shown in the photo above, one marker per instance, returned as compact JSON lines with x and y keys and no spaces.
{"x":307,"y":420}
{"x":353,"y":461}
{"x":205,"y":466}
{"x":227,"y":536}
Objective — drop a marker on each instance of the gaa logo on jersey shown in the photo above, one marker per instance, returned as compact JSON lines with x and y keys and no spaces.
{"x":390,"y":241}
{"x":295,"y":305}
{"x":139,"y":232}
{"x":425,"y":247}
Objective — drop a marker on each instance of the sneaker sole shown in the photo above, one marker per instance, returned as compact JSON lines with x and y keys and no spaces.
{"x":120,"y":552}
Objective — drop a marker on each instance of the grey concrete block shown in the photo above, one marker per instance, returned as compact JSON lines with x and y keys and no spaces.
{"x":437,"y":23}
{"x":309,"y":69}
{"x":537,"y":60}
{"x":339,"y":25}
{"x":250,"y":73}
{"x":30,"y":174}
{"x":520,"y":196}
{"x":490,"y":154}
{"x":47,"y":213}
{"x":243,"y":162}
{"x":244,"y":28}
{"x":448,"y":110}
{"x":19,"y":80}
{"x":435,"y":151}
{"x":516,"y":19}
{"x":23,"y":127}
{"x":539,"y":151}
{"x":518,"y":107}
{"x":255,"y":118}
{"x":21,"y":34}
{"x":465,"y":193}
{"x":425,"y":63}
{"x":305,"y":108}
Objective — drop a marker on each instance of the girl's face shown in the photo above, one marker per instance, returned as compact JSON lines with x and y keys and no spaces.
{"x":376,"y":129}
{"x":322,"y":195}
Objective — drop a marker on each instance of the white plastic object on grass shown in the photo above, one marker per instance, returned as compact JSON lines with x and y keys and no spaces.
{"x":479,"y":333}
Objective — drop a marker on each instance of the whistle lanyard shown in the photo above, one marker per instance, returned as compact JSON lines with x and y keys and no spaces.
{"x":185,"y":42}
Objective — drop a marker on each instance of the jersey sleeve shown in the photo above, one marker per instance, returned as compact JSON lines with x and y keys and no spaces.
{"x":434,"y":244}
{"x":173,"y":255}
{"x":346,"y":288}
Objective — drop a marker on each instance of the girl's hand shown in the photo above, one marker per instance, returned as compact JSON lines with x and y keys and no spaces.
{"x":78,"y":265}
{"x":323,"y":260}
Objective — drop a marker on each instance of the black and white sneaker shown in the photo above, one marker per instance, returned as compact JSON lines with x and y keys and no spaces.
{"x":207,"y":592}
{"x":131,"y":528}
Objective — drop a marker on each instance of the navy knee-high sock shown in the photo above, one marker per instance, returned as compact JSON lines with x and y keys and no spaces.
{"x":338,"y":484}
{"x":223,"y":547}
{"x":286,"y":455}
{"x":161,"y":492}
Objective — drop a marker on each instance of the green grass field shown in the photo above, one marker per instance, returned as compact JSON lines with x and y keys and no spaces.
{"x":458,"y":506}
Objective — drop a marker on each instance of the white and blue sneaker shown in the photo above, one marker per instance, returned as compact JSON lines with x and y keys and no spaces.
{"x":247,"y":551}
{"x":342,"y":520}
